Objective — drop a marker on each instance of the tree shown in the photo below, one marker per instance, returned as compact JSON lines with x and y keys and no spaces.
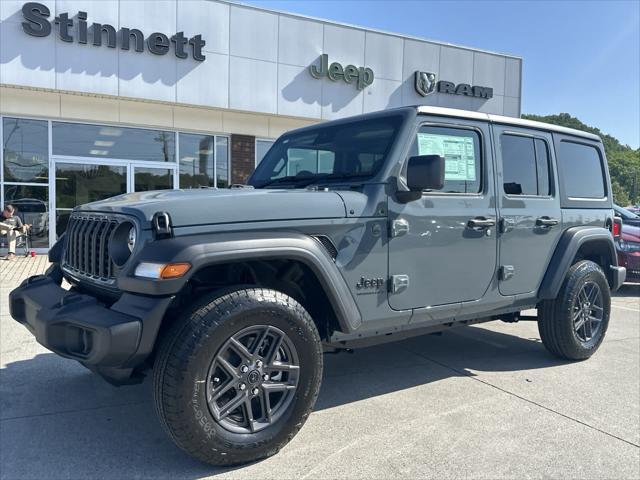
{"x":624,"y":162}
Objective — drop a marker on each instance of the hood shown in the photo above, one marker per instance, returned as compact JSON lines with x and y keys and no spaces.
{"x":212,"y":206}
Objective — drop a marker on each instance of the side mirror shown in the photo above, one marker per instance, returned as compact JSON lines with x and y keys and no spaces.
{"x":425,"y":172}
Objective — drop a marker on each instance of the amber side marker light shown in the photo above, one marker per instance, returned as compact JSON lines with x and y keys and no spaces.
{"x":164,"y":271}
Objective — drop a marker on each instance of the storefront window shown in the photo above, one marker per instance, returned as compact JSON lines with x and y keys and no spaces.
{"x":204,"y":161}
{"x":26,"y":150}
{"x":262,"y":147}
{"x":104,"y":141}
{"x":32,"y":206}
{"x":196,"y":161}
{"x":222,"y":162}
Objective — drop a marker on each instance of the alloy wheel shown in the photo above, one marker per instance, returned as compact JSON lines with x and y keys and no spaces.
{"x":588,"y":312}
{"x":252,"y":379}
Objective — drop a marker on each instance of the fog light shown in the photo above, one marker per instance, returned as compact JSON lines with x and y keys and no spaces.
{"x":161,"y":270}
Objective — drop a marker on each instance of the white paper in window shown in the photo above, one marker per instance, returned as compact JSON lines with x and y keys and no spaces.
{"x":458,"y":152}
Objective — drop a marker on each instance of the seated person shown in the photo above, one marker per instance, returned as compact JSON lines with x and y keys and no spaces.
{"x":10,"y":226}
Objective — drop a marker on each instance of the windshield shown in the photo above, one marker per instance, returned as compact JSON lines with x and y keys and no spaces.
{"x":330,"y":153}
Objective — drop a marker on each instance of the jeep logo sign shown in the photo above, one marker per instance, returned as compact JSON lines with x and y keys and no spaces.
{"x":362,"y":76}
{"x":425,"y":84}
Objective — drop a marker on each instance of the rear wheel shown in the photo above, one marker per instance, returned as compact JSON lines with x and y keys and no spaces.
{"x":574,"y":324}
{"x":238,"y":377}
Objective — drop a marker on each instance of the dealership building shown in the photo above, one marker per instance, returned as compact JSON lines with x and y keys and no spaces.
{"x":99,"y":98}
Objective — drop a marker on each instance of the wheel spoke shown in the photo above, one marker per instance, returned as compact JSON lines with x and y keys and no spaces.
{"x":273,"y":351}
{"x":240,"y":349}
{"x":583,"y":295}
{"x":248,"y":411}
{"x":224,"y":389}
{"x":259,"y":342}
{"x":587,"y":328}
{"x":597,"y":308}
{"x":593,"y":319}
{"x":265,"y":403}
{"x":576,"y":315}
{"x":593,"y":294}
{"x":278,"y":387}
{"x":579,"y":324}
{"x":283,"y":367}
{"x":231,"y":406}
{"x":231,"y":370}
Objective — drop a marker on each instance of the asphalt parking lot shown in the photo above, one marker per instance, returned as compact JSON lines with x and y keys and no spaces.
{"x":483,"y":402}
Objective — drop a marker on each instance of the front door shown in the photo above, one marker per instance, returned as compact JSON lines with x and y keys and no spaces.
{"x":529,"y":206}
{"x":442,"y":247}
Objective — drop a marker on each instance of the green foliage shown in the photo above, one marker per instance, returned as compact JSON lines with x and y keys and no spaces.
{"x":624,"y":162}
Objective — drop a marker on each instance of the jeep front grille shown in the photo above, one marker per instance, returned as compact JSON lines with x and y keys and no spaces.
{"x":87,"y":246}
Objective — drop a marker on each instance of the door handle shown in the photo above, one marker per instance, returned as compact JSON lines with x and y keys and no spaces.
{"x":480,"y":223}
{"x":546,"y":222}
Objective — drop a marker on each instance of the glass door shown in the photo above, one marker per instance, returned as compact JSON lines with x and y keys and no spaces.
{"x":152,"y":178}
{"x":79,"y":183}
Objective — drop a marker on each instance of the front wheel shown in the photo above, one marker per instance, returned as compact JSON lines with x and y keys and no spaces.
{"x":573,"y":325}
{"x":237,"y":378}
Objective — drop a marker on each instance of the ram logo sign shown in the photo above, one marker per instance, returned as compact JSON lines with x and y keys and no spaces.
{"x":425,"y":83}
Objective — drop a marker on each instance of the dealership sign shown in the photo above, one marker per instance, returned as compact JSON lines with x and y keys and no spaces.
{"x":426,"y":84}
{"x":37,"y":25}
{"x":361,"y":76}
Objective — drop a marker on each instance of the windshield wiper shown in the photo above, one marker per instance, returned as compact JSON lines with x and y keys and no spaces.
{"x":287,"y":179}
{"x":306,"y":181}
{"x":337,"y":176}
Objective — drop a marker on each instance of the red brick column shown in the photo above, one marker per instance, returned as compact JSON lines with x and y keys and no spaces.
{"x":243,"y":157}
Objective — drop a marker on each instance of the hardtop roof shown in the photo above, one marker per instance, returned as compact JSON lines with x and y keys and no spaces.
{"x":502,"y":120}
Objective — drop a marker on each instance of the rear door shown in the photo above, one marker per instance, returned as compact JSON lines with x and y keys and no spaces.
{"x":529,"y":207}
{"x":442,"y":247}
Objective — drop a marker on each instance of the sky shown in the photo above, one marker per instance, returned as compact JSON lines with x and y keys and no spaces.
{"x":580,"y":57}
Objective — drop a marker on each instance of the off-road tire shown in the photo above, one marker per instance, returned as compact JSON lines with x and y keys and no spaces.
{"x":183,"y":362}
{"x":555,"y":322}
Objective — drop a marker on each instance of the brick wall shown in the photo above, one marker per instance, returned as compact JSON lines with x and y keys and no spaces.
{"x":243,"y":157}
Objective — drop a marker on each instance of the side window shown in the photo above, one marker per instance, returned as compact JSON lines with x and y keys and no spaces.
{"x":462,"y":158}
{"x":581,"y":172}
{"x":544,"y":167}
{"x":525,"y":165}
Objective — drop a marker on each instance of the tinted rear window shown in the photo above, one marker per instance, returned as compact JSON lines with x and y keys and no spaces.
{"x":581,"y":170}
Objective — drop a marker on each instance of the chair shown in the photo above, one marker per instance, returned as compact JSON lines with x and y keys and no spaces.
{"x":23,"y":238}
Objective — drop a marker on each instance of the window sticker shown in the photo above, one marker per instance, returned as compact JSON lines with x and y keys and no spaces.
{"x":458,"y":152}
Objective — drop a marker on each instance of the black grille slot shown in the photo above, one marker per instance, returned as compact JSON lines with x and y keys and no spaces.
{"x":87,"y":246}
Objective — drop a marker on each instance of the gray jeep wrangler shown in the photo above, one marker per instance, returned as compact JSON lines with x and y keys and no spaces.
{"x":349,"y":233}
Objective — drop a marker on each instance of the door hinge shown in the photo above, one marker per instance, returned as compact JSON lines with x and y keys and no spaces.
{"x":399,"y":282}
{"x":399,"y":227}
{"x":506,"y":272}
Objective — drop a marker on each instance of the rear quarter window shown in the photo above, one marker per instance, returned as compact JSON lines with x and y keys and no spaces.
{"x":581,"y":170}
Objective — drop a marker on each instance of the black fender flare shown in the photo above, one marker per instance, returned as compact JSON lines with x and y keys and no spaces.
{"x":571,"y":241}
{"x":211,"y":249}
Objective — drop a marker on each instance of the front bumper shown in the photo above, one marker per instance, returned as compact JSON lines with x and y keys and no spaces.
{"x":109,"y":340}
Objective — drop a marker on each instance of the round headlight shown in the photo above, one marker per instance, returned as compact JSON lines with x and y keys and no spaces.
{"x":122,"y":242}
{"x":131,"y":239}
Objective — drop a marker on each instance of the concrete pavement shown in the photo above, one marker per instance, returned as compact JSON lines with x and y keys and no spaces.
{"x":484,"y":402}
